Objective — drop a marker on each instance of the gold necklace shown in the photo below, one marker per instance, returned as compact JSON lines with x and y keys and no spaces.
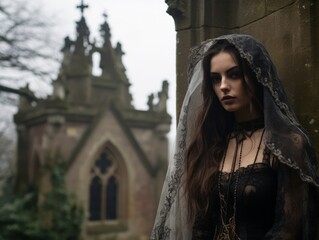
{"x":228,"y":230}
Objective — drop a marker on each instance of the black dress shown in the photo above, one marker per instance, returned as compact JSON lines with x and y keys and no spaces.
{"x":255,"y":203}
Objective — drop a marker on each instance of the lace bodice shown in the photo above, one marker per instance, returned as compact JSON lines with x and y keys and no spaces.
{"x":256,"y":197}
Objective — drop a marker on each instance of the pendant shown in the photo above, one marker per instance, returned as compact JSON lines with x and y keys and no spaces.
{"x":228,"y":231}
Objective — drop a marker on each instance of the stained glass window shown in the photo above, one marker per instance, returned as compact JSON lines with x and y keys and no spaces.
{"x":95,"y":199}
{"x":104,"y":189}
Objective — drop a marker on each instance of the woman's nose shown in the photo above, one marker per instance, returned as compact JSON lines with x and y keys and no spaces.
{"x":224,"y":86}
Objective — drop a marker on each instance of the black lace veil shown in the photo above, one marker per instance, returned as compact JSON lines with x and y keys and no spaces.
{"x":298,"y":182}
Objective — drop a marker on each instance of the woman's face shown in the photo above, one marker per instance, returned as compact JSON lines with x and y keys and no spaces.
{"x":228,"y":84}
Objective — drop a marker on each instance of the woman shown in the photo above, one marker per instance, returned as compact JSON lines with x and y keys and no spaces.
{"x":245,"y":169}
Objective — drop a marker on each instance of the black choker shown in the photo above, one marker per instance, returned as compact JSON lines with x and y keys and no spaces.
{"x":246,"y":129}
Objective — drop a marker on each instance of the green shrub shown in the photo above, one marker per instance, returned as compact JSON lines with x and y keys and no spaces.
{"x":59,"y":217}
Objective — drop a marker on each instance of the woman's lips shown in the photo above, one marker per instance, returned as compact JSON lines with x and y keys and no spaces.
{"x":228,"y":99}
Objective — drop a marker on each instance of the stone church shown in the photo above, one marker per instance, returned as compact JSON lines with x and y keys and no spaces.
{"x":116,"y":155}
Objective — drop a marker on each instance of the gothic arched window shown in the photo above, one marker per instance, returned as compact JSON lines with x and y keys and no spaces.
{"x":104,"y":189}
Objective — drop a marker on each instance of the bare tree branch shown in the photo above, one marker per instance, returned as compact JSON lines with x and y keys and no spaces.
{"x":26,"y":52}
{"x":22,"y":92}
{"x":24,"y":44}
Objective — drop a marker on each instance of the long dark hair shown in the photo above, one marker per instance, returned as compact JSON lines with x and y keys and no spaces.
{"x":213,"y":125}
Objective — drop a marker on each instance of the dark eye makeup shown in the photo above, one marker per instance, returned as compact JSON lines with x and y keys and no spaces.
{"x":235,"y":73}
{"x":215,"y":78}
{"x":232,"y":73}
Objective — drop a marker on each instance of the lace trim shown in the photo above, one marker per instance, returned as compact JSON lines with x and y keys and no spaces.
{"x":256,"y":166}
{"x":264,"y":79}
{"x":161,"y":231}
{"x":288,"y":162}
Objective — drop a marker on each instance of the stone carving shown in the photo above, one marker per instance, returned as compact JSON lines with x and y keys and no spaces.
{"x":67,"y":44}
{"x":150,"y":102}
{"x":105,"y":29}
{"x":119,"y":54}
{"x":176,"y":8}
{"x":162,"y":99}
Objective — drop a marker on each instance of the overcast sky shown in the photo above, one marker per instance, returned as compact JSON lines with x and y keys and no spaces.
{"x":145,"y":30}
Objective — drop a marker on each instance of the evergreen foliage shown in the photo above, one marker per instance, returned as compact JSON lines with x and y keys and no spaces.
{"x":59,"y":217}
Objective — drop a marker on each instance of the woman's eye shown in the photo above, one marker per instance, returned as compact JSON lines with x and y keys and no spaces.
{"x":215,"y":79}
{"x":236,"y":74}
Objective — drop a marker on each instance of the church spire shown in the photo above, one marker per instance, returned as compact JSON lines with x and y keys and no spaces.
{"x":105,"y":29}
{"x":107,"y":59}
{"x":83,"y":31}
{"x":82,"y":7}
{"x":77,"y":59}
